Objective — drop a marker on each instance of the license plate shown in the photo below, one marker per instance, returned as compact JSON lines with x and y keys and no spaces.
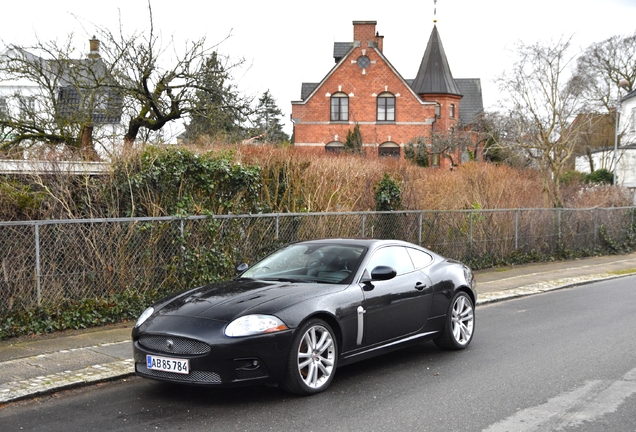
{"x":168,"y":364}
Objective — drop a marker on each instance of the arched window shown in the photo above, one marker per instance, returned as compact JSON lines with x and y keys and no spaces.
{"x":334,"y":147}
{"x":339,"y":107}
{"x":389,"y":149}
{"x":452,"y":110}
{"x":437,"y":110}
{"x":386,"y":107}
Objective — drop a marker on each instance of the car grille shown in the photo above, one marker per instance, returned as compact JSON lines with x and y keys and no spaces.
{"x":251,"y":373}
{"x":179,"y":345}
{"x":205,"y":377}
{"x":250,"y":369}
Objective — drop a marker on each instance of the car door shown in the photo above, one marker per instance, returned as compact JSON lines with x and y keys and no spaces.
{"x":397,"y":307}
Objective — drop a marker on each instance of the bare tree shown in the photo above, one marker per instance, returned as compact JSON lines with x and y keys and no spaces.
{"x":53,"y":99}
{"x":132,"y":79}
{"x":544,"y":100}
{"x":160,"y":84}
{"x":601,"y":68}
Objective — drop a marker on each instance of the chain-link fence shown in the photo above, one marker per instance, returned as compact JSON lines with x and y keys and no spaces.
{"x":49,"y":262}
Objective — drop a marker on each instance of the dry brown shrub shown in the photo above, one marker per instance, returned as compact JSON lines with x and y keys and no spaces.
{"x":590,"y":195}
{"x":317,"y":181}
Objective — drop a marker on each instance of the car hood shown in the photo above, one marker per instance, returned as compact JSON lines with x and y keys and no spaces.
{"x":226,"y":301}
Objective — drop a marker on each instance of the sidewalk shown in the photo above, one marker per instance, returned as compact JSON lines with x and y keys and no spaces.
{"x":42,"y":364}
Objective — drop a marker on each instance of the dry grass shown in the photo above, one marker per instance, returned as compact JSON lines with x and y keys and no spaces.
{"x":328,"y":182}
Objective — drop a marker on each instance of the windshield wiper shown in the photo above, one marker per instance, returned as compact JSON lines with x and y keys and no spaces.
{"x":280,"y":279}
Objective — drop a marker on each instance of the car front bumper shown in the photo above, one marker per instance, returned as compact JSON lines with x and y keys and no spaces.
{"x":214,"y":359}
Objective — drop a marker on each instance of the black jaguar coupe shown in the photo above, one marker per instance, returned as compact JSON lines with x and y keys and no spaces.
{"x":299,"y":313}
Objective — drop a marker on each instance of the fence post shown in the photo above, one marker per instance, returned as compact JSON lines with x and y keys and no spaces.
{"x":419,"y":235}
{"x":559,"y":225}
{"x":471,"y":234}
{"x":183,"y":248}
{"x":38,"y":275}
{"x":364,"y":219}
{"x":277,"y":227}
{"x":516,"y":229}
{"x":595,"y":227}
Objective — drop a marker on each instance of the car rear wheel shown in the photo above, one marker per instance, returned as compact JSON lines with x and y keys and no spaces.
{"x":460,"y":323}
{"x":312,"y":359}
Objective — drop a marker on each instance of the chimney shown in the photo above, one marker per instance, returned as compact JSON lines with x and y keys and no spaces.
{"x":364,"y":33}
{"x":379,"y":41}
{"x":94,"y":48}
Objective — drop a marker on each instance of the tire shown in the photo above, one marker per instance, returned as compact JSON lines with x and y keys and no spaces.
{"x":460,"y":323}
{"x":312,"y":359}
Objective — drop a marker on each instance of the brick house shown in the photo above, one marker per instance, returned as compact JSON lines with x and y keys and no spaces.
{"x":364,"y":89}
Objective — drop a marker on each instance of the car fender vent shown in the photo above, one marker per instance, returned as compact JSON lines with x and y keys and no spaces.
{"x":174,"y":345}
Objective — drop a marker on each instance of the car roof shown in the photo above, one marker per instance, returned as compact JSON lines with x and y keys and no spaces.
{"x":362,"y":241}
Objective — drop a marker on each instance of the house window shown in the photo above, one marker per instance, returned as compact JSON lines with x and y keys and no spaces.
{"x":452,"y":110}
{"x":386,"y":107}
{"x":27,"y":107}
{"x":437,"y":110}
{"x":339,"y":107}
{"x":334,"y":147}
{"x":633,"y":122}
{"x":389,"y":149}
{"x":4,"y":109}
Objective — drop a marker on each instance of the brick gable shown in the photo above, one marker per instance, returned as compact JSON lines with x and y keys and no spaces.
{"x":363,"y":80}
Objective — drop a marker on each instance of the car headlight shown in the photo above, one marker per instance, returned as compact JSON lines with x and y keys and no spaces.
{"x":144,"y":316}
{"x":470,"y":277}
{"x":254,"y":324}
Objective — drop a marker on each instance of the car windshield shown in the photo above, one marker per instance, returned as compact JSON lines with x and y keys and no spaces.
{"x":309,"y":262}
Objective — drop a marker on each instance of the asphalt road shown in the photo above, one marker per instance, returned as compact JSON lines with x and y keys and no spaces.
{"x":564,"y":360}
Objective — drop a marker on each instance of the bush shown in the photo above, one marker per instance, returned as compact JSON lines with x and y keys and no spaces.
{"x":388,"y":195}
{"x":601,"y":176}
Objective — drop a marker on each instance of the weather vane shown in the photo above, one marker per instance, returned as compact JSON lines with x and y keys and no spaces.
{"x":434,"y":11}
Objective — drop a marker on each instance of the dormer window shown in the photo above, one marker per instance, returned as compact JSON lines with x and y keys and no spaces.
{"x":339,"y":107}
{"x":386,"y":107}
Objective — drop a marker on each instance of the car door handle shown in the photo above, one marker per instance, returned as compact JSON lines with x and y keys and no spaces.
{"x":420,"y":286}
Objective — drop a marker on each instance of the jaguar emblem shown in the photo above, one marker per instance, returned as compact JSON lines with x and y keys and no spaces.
{"x":169,"y":344}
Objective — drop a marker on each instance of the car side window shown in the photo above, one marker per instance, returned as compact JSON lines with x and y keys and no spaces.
{"x":420,"y":259}
{"x":395,"y":257}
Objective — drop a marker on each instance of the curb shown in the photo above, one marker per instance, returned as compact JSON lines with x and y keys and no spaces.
{"x":541,"y":287}
{"x":17,"y":390}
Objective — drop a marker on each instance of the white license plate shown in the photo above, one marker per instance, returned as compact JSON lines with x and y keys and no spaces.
{"x":168,"y":364}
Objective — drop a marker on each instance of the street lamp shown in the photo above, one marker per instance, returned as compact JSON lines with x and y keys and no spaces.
{"x":621,"y":84}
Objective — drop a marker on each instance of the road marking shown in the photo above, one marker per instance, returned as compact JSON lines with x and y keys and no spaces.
{"x":587,"y":403}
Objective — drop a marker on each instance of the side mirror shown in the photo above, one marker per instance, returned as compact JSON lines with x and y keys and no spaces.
{"x":241,"y":268}
{"x":380,"y":273}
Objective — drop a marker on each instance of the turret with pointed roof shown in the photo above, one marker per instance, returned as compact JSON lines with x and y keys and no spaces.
{"x":434,"y":75}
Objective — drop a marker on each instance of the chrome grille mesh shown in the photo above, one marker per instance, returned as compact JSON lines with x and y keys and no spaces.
{"x":206,"y":377}
{"x":179,"y":345}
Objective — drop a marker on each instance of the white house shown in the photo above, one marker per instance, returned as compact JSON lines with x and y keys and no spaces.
{"x":628,"y":119}
{"x":63,"y":97}
{"x":626,"y":154}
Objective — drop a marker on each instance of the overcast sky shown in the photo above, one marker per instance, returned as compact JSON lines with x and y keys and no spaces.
{"x":288,"y":42}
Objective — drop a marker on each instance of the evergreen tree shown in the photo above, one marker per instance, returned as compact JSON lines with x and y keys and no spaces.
{"x":417,"y":152}
{"x":218,"y":110}
{"x":353,"y":142}
{"x":267,"y":122}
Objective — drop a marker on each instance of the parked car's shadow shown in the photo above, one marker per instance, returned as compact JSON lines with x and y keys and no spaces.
{"x":378,"y":371}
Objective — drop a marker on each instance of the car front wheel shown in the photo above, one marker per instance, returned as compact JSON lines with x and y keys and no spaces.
{"x":460,"y":323}
{"x":312,"y":359}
